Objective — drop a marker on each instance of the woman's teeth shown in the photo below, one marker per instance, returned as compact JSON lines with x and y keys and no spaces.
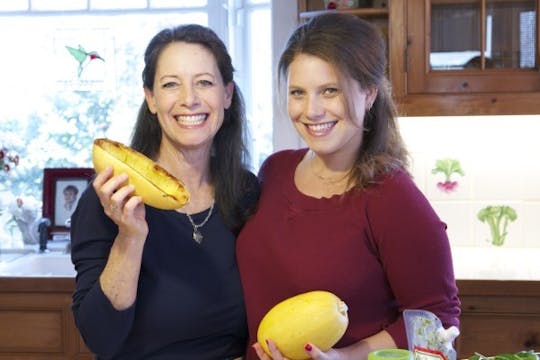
{"x":191,"y":120}
{"x":321,"y":128}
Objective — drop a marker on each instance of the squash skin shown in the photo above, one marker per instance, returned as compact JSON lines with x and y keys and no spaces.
{"x":318,"y":317}
{"x":157,"y":187}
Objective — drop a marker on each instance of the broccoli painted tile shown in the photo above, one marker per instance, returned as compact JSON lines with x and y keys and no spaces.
{"x":498,"y":219}
{"x":498,"y":224}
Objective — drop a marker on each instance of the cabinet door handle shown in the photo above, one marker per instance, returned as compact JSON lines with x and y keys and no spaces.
{"x":531,"y":343}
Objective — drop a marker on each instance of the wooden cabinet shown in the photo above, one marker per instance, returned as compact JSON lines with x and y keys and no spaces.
{"x":36,"y":320}
{"x":430,"y":41}
{"x":310,"y":8}
{"x":377,"y":15}
{"x":443,"y":40}
{"x":498,"y":317}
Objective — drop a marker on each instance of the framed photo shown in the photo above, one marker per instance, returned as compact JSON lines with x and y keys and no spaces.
{"x":62,"y":188}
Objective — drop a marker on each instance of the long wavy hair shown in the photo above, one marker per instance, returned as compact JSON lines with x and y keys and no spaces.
{"x":230,"y":157}
{"x":357,"y":52}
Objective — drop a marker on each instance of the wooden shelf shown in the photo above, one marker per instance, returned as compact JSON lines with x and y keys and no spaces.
{"x":363,"y":12}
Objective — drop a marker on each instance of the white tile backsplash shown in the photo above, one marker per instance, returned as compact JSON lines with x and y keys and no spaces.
{"x":531,"y":217}
{"x":500,"y":158}
{"x":459,"y":219}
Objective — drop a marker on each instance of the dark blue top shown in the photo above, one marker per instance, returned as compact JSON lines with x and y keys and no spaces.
{"x":189,"y":303}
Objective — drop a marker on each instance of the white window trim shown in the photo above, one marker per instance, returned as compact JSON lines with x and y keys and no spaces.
{"x":284,"y":21}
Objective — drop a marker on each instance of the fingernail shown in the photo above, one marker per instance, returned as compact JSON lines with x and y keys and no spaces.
{"x":308,"y":347}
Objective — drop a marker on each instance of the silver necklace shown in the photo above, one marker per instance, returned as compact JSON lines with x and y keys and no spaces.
{"x":197,"y":236}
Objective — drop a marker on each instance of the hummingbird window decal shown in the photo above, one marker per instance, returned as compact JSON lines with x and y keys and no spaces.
{"x":83,"y":57}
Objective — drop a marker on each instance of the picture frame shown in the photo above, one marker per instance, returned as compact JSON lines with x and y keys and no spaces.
{"x":62,"y":188}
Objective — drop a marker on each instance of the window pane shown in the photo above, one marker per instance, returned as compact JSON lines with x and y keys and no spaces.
{"x":260,"y":84}
{"x":177,"y":3}
{"x":55,"y":106}
{"x":13,"y":5}
{"x":511,"y":40}
{"x":118,"y":4}
{"x":42,"y":5}
{"x":58,"y":100}
{"x":527,"y":39}
{"x":455,"y":33}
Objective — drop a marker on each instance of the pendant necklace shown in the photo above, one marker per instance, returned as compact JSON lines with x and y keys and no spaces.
{"x":197,"y":236}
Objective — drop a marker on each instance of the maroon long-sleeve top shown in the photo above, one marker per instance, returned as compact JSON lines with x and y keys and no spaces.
{"x":381,"y":250}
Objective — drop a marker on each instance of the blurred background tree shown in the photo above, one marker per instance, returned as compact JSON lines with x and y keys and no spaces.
{"x":59,"y":136}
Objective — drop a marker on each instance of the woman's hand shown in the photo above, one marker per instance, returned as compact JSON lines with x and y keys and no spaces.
{"x":356,"y":351}
{"x":311,"y":350}
{"x":118,"y":202}
{"x":119,"y":279}
{"x":314,"y":353}
{"x":276,"y":355}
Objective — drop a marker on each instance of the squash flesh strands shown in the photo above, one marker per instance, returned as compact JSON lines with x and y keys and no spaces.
{"x":157,"y":187}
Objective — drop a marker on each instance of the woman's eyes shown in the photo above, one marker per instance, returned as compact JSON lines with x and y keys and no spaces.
{"x":296,"y":92}
{"x":330,"y":91}
{"x":205,"y":83}
{"x":199,"y":83}
{"x":169,"y":84}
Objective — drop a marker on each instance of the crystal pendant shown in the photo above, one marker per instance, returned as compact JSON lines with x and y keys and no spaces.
{"x":197,"y":236}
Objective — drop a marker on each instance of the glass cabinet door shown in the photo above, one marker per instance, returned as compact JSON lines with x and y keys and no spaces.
{"x":455,"y":34}
{"x":508,"y":30}
{"x":510,"y":34}
{"x":463,"y":46}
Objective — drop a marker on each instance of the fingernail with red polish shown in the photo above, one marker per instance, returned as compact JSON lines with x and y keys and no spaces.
{"x":308,"y":347}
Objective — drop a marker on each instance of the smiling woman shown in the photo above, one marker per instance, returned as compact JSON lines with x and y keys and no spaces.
{"x":164,"y":274}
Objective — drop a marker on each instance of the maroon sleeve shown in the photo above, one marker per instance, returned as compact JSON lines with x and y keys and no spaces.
{"x":415,"y":252}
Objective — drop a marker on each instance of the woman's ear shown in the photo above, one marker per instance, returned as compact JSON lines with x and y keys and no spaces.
{"x":229,"y":91}
{"x":150,"y":100}
{"x":371,"y":95}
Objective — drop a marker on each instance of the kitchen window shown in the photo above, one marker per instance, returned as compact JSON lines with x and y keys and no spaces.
{"x":54,"y":104}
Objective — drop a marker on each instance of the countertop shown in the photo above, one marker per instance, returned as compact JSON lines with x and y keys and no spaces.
{"x":496,"y":263}
{"x":470,"y":263}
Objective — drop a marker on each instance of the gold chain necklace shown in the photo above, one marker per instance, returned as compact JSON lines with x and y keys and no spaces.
{"x":328,"y":180}
{"x":197,"y":236}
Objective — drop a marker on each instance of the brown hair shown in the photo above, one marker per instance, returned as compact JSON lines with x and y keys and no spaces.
{"x":356,"y":50}
{"x":229,"y":162}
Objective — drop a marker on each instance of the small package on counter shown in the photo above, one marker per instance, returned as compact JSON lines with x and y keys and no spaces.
{"x":427,"y":338}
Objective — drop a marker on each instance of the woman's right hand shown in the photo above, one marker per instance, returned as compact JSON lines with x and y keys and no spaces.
{"x":272,"y":348}
{"x":312,"y":351}
{"x":119,"y":279}
{"x":116,"y":197}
